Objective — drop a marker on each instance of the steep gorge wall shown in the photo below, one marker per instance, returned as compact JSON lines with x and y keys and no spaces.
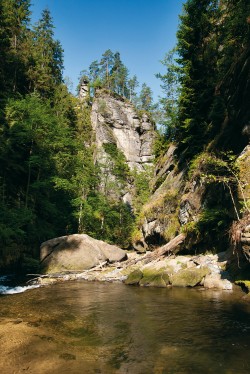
{"x":202,"y":197}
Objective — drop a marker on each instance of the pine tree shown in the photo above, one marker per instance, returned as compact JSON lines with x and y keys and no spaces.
{"x":106,"y":64}
{"x":132,"y":85}
{"x":146,"y":98}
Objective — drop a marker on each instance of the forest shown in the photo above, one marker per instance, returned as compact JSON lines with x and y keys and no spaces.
{"x":49,"y":180}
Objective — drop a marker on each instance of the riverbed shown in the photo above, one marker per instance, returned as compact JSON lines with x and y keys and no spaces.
{"x":92,"y":327}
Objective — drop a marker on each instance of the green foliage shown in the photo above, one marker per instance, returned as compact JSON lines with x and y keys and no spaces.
{"x":111,"y":74}
{"x":30,"y":265}
{"x":50,"y":184}
{"x":102,"y":107}
{"x":171,"y":88}
{"x":142,"y":182}
{"x":213,"y":221}
{"x":194,"y":107}
{"x":13,"y":224}
{"x":208,"y":231}
{"x":120,"y":168}
{"x":161,"y":145}
{"x":46,"y":70}
{"x":209,"y":167}
{"x":38,"y":149}
{"x":107,"y":221}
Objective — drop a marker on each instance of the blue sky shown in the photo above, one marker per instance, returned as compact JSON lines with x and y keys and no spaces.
{"x":141,"y":30}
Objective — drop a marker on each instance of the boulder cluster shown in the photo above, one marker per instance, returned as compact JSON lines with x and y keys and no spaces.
{"x":183,"y":271}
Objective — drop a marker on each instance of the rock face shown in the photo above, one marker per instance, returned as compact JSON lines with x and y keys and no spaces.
{"x":243,"y":164}
{"x":160,"y":220}
{"x":116,"y":121}
{"x":84,"y":90}
{"x":77,"y":252}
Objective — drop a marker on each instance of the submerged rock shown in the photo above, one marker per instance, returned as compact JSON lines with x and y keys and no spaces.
{"x":77,"y":252}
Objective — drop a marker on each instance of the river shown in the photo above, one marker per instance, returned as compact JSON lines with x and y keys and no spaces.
{"x":83,"y":327}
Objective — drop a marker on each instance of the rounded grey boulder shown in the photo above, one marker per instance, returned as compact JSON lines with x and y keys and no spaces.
{"x":77,"y":252}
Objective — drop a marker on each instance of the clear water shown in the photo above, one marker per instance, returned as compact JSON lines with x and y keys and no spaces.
{"x":84,"y":327}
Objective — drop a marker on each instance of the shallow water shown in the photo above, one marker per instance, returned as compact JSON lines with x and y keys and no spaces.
{"x":84,"y":327}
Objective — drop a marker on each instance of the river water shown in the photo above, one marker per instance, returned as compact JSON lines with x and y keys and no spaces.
{"x":83,"y":327}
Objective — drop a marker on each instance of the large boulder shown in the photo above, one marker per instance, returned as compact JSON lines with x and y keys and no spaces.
{"x":77,"y":252}
{"x":189,"y":277}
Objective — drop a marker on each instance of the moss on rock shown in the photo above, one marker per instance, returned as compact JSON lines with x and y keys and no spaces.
{"x":244,"y":284}
{"x":189,"y":277}
{"x":134,"y":277}
{"x":154,"y":278}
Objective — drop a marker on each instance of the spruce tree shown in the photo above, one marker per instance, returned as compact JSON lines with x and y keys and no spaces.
{"x":46,"y":71}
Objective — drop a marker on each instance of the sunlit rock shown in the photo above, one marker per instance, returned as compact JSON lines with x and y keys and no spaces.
{"x":77,"y":252}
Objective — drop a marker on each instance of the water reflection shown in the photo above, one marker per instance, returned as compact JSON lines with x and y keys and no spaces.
{"x":83,"y":327}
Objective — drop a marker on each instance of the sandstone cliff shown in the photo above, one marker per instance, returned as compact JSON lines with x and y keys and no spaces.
{"x":115,"y":120}
{"x":124,"y":140}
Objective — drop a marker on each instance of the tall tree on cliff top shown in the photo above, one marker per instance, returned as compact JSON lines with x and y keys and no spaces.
{"x":106,"y":64}
{"x":119,"y":76}
{"x":112,"y":74}
{"x":146,"y":98}
{"x":132,"y":85}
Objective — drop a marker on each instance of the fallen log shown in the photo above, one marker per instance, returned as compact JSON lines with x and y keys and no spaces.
{"x":168,"y":248}
{"x":171,"y":245}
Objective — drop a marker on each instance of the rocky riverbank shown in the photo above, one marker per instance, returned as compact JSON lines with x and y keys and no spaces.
{"x":68,"y":258}
{"x":207,"y":271}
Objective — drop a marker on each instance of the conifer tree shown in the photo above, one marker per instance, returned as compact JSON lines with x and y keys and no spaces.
{"x":132,"y":85}
{"x":197,"y":50}
{"x":106,"y":64}
{"x":15,"y":15}
{"x":46,"y":71}
{"x":146,"y":98}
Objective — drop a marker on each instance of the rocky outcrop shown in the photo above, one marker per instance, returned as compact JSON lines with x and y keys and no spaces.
{"x":84,"y":90}
{"x":243,"y":165}
{"x":115,"y":120}
{"x":159,"y":220}
{"x":239,"y":264}
{"x":77,"y":252}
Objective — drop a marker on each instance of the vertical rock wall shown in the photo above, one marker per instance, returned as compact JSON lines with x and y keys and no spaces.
{"x":115,"y":120}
